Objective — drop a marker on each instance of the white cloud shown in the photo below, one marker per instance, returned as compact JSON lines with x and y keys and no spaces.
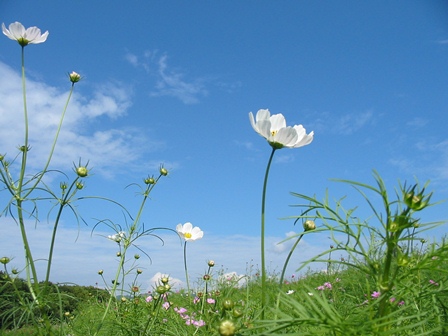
{"x":108,"y":149}
{"x":169,"y":82}
{"x":79,"y":255}
{"x":172,"y":83}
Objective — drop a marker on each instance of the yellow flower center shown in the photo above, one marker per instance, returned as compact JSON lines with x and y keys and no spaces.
{"x":187,"y":235}
{"x":273,"y":133}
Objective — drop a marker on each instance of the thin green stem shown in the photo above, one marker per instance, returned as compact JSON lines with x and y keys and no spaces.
{"x":29,"y":267}
{"x":127,"y":244}
{"x":25,"y":111}
{"x":54,"y":141}
{"x":186,"y":268}
{"x":62,"y":204}
{"x":263,"y":261}
{"x":287,"y":259}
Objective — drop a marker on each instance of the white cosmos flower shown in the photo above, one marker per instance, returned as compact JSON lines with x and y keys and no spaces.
{"x":274,"y":130}
{"x":188,"y":232}
{"x":24,"y":36}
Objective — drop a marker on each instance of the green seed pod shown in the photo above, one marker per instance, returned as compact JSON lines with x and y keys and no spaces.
{"x":228,"y":304}
{"x":227,"y":328}
{"x":82,"y":171}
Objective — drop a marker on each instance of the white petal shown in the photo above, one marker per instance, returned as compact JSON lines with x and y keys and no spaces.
{"x":264,"y":128}
{"x":17,"y":30}
{"x":277,"y":121}
{"x":287,"y":136}
{"x":252,"y":122}
{"x":179,"y":228}
{"x":263,"y":115}
{"x":187,"y":227}
{"x":303,"y":138}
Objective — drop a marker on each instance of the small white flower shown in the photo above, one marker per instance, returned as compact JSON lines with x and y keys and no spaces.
{"x":310,"y":294}
{"x":117,"y":237}
{"x":24,"y":36}
{"x":274,"y":130}
{"x":188,"y":232}
{"x":290,"y":292}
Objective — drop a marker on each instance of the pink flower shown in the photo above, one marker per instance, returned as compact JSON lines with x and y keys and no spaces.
{"x":432,"y":282}
{"x":196,"y":300}
{"x":211,"y":301}
{"x":166,"y":305}
{"x":320,"y":288}
{"x":328,"y":285}
{"x":375,"y":295}
{"x":401,"y":303}
{"x":199,"y":323}
{"x":180,"y":311}
{"x":149,"y":299}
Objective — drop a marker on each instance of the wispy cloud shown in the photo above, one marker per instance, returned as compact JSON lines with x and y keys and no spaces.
{"x":169,"y":81}
{"x":106,"y":148}
{"x":345,"y":124}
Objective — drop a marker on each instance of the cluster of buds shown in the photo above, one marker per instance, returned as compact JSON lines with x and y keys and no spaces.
{"x":117,"y":237}
{"x":416,"y":201}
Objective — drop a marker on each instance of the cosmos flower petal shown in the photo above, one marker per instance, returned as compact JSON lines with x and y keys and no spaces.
{"x":277,"y":122}
{"x":287,"y":136}
{"x":264,"y":128}
{"x":263,"y":115}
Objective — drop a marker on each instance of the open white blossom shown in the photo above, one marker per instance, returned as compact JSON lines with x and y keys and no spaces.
{"x":188,"y":232}
{"x":274,"y":130}
{"x":24,"y":36}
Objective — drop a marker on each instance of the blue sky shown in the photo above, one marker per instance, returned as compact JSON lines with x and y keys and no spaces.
{"x":172,"y":82}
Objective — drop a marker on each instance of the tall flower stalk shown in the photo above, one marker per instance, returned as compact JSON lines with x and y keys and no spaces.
{"x":278,"y":135}
{"x":188,"y":232}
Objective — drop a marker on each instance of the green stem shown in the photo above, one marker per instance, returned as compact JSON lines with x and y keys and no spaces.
{"x":287,"y":259}
{"x":186,"y":268}
{"x":123,"y":254}
{"x":25,"y":111}
{"x":62,"y":204}
{"x":263,"y":261}
{"x":282,"y":276}
{"x":54,"y":141}
{"x":29,"y":267}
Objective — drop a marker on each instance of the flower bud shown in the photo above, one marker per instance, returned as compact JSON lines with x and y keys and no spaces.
{"x":206,"y":277}
{"x":74,"y":77}
{"x":123,"y":299}
{"x":118,"y":254}
{"x":161,"y":290}
{"x":79,"y":185}
{"x":227,"y":328}
{"x":136,"y":256}
{"x":15,"y":271}
{"x":1,"y":157}
{"x":135,"y":289}
{"x":211,"y":263}
{"x":139,"y":271}
{"x":5,"y":260}
{"x":228,"y":304}
{"x":163,"y":171}
{"x":164,"y":280}
{"x":167,"y":287}
{"x":100,"y":272}
{"x":82,"y":171}
{"x":309,"y":225}
{"x":63,"y":185}
{"x":150,"y":180}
